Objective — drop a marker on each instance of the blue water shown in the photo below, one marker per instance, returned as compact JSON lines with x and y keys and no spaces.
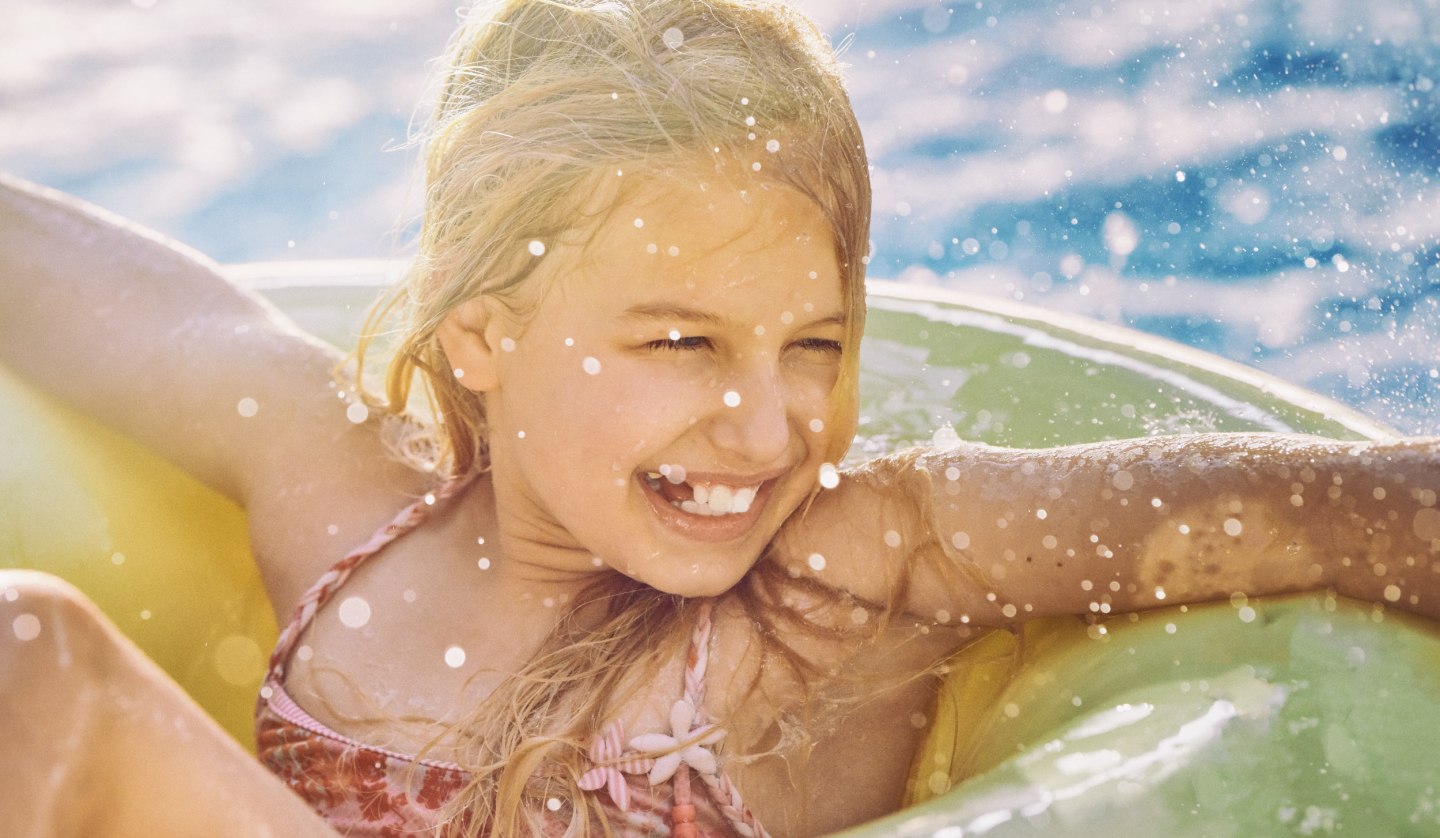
{"x":1256,"y":178}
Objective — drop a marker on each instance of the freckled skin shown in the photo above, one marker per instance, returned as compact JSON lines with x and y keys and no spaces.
{"x":1231,"y":493}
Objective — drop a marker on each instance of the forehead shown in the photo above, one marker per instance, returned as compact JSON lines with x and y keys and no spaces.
{"x":712,"y":239}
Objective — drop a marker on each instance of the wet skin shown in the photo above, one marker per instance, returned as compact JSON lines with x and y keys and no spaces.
{"x":698,"y":334}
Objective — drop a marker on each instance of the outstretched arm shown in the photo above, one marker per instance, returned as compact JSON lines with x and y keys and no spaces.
{"x":149,"y":338}
{"x":992,"y":536}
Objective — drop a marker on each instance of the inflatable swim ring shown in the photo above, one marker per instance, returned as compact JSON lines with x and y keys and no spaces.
{"x":1051,"y":729}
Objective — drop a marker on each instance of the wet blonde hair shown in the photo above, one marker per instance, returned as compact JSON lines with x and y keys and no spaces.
{"x":541,"y":102}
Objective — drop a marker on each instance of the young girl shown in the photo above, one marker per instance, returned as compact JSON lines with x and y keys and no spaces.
{"x":627,"y":589}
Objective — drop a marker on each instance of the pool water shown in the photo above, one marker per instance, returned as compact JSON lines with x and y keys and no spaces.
{"x":1255,"y":178}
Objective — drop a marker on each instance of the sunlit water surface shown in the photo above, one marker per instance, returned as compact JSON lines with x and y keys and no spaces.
{"x":1256,"y":178}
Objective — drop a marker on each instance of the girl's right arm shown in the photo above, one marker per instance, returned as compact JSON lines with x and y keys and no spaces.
{"x":149,"y":338}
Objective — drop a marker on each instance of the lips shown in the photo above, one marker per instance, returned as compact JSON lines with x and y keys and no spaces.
{"x":706,"y":507}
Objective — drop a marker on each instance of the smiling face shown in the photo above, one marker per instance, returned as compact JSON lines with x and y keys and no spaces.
{"x":667,"y":405}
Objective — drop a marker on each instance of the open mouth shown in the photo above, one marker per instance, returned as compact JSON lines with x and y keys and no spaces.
{"x":708,"y":499}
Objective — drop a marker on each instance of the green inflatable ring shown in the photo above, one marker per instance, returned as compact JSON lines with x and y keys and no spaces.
{"x":168,"y":560}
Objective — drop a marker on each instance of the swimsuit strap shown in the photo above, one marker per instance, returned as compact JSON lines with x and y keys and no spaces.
{"x":676,"y":755}
{"x":325,"y":587}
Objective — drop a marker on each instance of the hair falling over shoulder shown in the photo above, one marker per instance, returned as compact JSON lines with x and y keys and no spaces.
{"x":542,"y":105}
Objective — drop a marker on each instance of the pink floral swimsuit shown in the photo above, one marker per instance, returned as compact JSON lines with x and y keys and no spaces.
{"x":365,"y":790}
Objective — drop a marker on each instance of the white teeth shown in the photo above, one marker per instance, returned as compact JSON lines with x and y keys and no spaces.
{"x":720,"y":498}
{"x":714,"y":499}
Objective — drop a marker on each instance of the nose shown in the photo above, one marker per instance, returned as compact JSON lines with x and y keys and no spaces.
{"x":752,"y":416}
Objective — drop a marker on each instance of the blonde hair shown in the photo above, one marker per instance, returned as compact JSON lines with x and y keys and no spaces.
{"x":541,"y":101}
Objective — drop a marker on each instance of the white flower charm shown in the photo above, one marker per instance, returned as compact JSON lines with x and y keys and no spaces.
{"x":686,"y":744}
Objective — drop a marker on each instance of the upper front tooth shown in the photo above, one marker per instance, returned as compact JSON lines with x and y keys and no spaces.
{"x":702,"y":493}
{"x":742,"y":500}
{"x":720,"y":499}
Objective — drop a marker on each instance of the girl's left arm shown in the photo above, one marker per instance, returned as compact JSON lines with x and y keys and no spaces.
{"x":991,"y":536}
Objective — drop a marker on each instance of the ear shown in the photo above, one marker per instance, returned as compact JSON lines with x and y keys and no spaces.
{"x":470,"y":335}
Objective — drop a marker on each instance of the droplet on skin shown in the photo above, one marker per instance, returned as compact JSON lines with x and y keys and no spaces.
{"x":247,"y":407}
{"x":639,"y":222}
{"x":1392,"y":593}
{"x":731,"y":398}
{"x":759,"y":330}
{"x":1246,"y":614}
{"x":117,"y":558}
{"x":537,"y":248}
{"x":772,"y":146}
{"x":357,"y":413}
{"x":304,"y":653}
{"x":591,"y":365}
{"x":484,"y":563}
{"x":26,"y":626}
{"x":817,"y":562}
{"x":672,"y":250}
{"x":829,"y":476}
{"x":816,"y":426}
{"x":408,"y":596}
{"x":1122,"y":480}
{"x":960,"y":540}
{"x":454,"y":657}
{"x":459,"y":373}
{"x":1427,"y":524}
{"x":942,"y":616}
{"x":507,"y":344}
{"x":892,"y":539}
{"x":354,"y":612}
{"x":553,"y":804}
{"x":1233,"y":527}
{"x":1012,"y":710}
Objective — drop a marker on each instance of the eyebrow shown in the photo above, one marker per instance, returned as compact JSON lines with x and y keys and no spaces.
{"x":673,"y":311}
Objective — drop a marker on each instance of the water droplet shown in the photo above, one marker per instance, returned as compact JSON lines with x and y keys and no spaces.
{"x":672,"y":250}
{"x":591,"y":365}
{"x":672,"y":38}
{"x":817,"y":562}
{"x":553,"y":804}
{"x":304,"y":653}
{"x":829,"y":476}
{"x":429,"y":498}
{"x":639,"y":222}
{"x":507,"y":344}
{"x":1012,"y":710}
{"x":145,"y":613}
{"x":247,"y":407}
{"x":892,"y":539}
{"x":1159,"y":592}
{"x":750,"y":120}
{"x":859,"y":615}
{"x":772,"y":146}
{"x":520,"y":434}
{"x":816,"y":426}
{"x":1392,"y":593}
{"x":454,"y":657}
{"x":357,"y":413}
{"x":408,"y":596}
{"x":759,"y":330}
{"x":354,"y":612}
{"x":537,"y":248}
{"x":238,"y":659}
{"x":569,"y":341}
{"x":732,"y":398}
{"x":26,"y":626}
{"x":117,"y":558}
{"x":459,"y":373}
{"x":1246,"y":614}
{"x":1233,"y":527}
{"x":918,"y":720}
{"x":960,"y":540}
{"x":484,"y":563}
{"x":1122,"y":480}
{"x":755,"y":167}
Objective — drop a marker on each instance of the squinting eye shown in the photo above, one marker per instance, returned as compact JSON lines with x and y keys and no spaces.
{"x":832,"y":347}
{"x":680,"y":344}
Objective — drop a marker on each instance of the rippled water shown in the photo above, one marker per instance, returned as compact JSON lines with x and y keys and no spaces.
{"x":1257,"y":178}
